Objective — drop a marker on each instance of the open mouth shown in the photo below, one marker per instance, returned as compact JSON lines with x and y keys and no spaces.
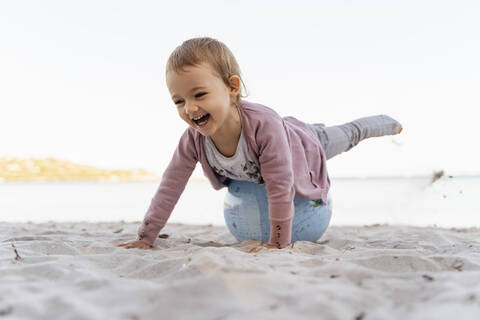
{"x":203,"y":120}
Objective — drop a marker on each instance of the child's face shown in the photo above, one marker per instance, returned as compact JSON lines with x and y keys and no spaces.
{"x":197,"y":92}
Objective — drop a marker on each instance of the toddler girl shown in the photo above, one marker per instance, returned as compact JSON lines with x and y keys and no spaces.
{"x":239,"y":142}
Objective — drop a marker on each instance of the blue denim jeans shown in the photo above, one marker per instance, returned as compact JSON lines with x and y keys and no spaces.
{"x":246,"y":214}
{"x":246,"y":204}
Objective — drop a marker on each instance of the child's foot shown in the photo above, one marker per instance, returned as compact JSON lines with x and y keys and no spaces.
{"x":399,"y":129}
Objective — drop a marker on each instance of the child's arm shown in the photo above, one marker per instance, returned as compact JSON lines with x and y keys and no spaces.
{"x":277,"y":172}
{"x":173,"y":183}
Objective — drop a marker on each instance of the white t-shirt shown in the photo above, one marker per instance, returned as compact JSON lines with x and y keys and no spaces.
{"x":240,"y":166}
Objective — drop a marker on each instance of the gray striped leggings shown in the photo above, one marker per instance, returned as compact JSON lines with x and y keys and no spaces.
{"x":337,"y":139}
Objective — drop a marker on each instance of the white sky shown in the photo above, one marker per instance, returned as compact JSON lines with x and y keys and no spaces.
{"x":84,"y":80}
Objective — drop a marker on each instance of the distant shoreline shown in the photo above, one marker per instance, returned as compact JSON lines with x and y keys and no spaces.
{"x":50,"y":169}
{"x":56,"y":170}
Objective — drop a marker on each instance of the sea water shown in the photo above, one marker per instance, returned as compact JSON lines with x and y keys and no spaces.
{"x":448,"y":202}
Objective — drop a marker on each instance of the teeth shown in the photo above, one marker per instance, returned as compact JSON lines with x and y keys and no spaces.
{"x":198,"y":117}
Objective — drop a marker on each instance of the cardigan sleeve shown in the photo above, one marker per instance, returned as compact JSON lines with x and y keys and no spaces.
{"x":275,"y":161}
{"x":173,"y":183}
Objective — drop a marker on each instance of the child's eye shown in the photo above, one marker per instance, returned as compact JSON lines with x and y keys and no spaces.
{"x":198,"y":95}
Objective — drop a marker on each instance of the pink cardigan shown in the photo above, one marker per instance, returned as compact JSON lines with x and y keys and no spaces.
{"x":287,"y":152}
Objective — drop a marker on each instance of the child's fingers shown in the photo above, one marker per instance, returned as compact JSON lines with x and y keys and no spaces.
{"x":263,"y":246}
{"x":254,"y":249}
{"x":270,"y":246}
{"x":133,"y":244}
{"x":128,"y":246}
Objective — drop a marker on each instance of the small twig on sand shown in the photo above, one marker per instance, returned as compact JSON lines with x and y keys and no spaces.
{"x":17,"y":256}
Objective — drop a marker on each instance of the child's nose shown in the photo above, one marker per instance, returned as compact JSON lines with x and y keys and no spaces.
{"x":190,"y":108}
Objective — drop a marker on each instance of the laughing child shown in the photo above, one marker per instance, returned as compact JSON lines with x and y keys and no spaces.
{"x":237,"y":140}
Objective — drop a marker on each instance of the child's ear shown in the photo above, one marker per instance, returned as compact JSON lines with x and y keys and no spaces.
{"x":234,"y":85}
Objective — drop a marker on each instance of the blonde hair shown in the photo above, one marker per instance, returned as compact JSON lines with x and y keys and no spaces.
{"x":195,"y":51}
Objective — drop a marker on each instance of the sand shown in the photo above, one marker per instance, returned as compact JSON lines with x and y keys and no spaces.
{"x":74,"y":271}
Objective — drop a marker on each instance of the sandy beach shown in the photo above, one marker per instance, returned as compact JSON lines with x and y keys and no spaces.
{"x":74,"y":271}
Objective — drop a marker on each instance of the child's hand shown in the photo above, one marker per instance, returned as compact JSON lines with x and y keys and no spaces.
{"x":135,"y":244}
{"x":264,"y":245}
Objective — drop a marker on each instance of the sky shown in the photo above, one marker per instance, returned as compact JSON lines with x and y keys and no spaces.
{"x":85,"y":80}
